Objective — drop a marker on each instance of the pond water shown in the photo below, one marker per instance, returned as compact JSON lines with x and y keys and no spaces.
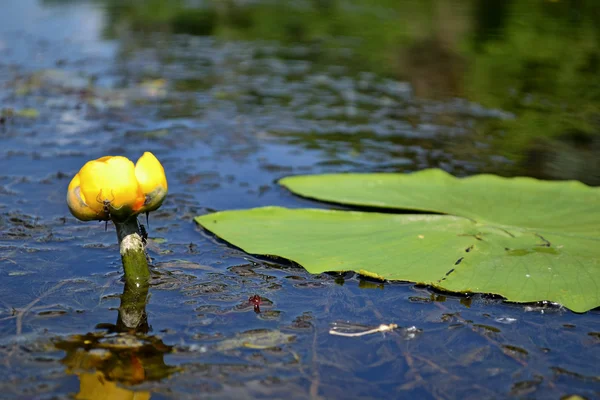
{"x":232,"y":98}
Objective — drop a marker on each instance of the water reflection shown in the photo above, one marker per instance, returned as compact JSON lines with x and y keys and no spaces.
{"x":122,"y":354}
{"x":132,"y":311}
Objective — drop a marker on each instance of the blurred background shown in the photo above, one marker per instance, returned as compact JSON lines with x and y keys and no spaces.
{"x":349,"y":73}
{"x":536,"y":62}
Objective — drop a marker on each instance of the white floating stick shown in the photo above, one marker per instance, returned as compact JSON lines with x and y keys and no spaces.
{"x":380,"y":328}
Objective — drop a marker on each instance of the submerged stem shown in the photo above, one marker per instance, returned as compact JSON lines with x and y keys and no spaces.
{"x":133,"y":255}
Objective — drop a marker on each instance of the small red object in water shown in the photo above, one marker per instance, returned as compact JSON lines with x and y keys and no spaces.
{"x":255,"y":300}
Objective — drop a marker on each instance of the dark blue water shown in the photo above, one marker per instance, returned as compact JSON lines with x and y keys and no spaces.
{"x":227,"y":118}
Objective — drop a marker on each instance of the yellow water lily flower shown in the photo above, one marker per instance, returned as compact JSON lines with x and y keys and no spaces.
{"x":111,"y":187}
{"x":150,"y":175}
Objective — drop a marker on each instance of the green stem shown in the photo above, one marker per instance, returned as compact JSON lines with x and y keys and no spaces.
{"x":133,"y":255}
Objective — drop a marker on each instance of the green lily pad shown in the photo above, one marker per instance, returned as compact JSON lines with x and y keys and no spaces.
{"x":521,"y":238}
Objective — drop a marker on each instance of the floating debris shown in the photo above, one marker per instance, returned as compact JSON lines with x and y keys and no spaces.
{"x":381,"y":328}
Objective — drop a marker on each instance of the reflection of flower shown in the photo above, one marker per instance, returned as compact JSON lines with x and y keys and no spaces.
{"x":113,"y":188}
{"x":95,"y":386}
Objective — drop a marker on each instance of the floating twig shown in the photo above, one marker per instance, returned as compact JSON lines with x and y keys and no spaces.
{"x":380,"y":328}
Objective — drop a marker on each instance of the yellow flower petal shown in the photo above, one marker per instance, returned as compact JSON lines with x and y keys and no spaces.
{"x":109,"y":184}
{"x":151,"y":177}
{"x":77,"y":204}
{"x":113,"y":188}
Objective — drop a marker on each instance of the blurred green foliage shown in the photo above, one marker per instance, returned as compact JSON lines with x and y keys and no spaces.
{"x":538,"y":59}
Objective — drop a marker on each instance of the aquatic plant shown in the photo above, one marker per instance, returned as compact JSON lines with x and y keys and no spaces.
{"x":111,"y":188}
{"x":521,"y":238}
